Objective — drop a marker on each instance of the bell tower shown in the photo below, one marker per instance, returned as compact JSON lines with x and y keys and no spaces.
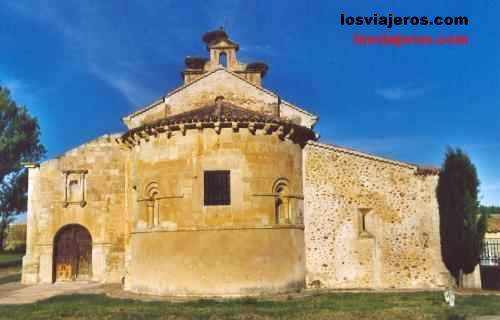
{"x":223,"y":54}
{"x":222,"y":50}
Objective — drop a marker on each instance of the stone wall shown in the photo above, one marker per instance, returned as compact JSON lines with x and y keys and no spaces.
{"x":217,"y":261}
{"x":175,"y":167}
{"x":179,"y":245}
{"x":97,"y":203}
{"x":203,"y":91}
{"x":369,"y":222}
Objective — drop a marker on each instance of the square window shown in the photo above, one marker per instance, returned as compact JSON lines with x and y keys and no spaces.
{"x":217,"y":191}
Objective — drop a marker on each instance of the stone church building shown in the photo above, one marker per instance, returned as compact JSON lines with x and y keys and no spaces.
{"x":221,"y":187}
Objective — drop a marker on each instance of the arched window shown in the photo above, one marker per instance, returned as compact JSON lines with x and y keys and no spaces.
{"x":152,"y":193}
{"x":282,"y":201}
{"x":223,"y":59}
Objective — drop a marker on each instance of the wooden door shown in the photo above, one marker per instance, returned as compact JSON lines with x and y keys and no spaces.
{"x":84,"y":254}
{"x":73,"y":254}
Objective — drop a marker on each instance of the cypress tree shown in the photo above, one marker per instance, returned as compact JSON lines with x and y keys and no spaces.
{"x":462,"y":226}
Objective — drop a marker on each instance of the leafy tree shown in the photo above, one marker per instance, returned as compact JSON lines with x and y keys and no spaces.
{"x":19,"y":143}
{"x":13,"y":200}
{"x":462,"y":225}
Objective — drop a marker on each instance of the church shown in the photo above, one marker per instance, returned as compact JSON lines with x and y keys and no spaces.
{"x":223,"y":188}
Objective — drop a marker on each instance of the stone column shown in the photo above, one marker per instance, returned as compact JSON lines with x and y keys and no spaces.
{"x":46,"y":263}
{"x":99,"y":255}
{"x":150,"y":210}
{"x":30,"y":260}
{"x":156,"y":211}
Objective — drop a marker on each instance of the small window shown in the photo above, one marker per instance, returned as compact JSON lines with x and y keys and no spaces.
{"x":217,"y":188}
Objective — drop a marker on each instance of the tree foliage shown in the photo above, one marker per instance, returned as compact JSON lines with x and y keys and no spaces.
{"x":462,"y":225}
{"x":19,"y":143}
{"x":490,"y":209}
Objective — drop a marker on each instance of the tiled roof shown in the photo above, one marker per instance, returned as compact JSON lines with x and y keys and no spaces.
{"x":195,"y":62}
{"x":208,"y":74}
{"x":223,"y":112}
{"x":427,"y":171}
{"x":257,"y":67}
{"x":219,"y":111}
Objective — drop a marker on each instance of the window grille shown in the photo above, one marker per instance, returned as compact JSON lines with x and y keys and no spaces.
{"x":217,"y":191}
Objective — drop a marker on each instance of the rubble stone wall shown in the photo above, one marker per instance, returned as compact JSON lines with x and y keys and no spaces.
{"x":369,"y":222}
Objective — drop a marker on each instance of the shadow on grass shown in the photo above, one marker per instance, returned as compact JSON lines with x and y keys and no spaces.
{"x":10,"y":278}
{"x":346,"y":306}
{"x":10,"y":264}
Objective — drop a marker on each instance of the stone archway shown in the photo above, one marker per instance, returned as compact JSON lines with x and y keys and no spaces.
{"x":72,"y":254}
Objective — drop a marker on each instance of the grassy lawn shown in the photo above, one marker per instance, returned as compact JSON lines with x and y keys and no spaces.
{"x":10,"y":267}
{"x":7,"y":257}
{"x":343,"y":306}
{"x":407,"y":306}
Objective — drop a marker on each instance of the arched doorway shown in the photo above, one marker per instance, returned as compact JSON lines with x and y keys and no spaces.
{"x":72,"y":254}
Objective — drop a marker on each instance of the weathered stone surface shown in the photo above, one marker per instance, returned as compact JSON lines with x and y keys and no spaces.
{"x":240,"y":247}
{"x":212,"y":261}
{"x":204,"y":90}
{"x":399,"y":246}
{"x":103,"y":214}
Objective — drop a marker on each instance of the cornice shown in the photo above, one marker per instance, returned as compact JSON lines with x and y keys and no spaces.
{"x":283,"y":130}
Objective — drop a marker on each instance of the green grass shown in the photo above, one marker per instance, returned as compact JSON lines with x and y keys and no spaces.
{"x":343,"y":306}
{"x":407,"y":306}
{"x":10,"y":267}
{"x":6,"y":257}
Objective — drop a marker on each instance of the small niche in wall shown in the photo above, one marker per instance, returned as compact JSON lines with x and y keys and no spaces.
{"x":74,"y":190}
{"x":365,"y":223}
{"x":282,"y":206}
{"x":74,"y":187}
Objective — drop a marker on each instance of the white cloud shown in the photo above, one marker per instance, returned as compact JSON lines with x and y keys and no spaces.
{"x":401,"y":92}
{"x":43,"y":12}
{"x":135,"y":93}
{"x":96,"y":45}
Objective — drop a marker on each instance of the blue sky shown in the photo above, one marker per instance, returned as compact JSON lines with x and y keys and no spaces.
{"x":79,"y":66}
